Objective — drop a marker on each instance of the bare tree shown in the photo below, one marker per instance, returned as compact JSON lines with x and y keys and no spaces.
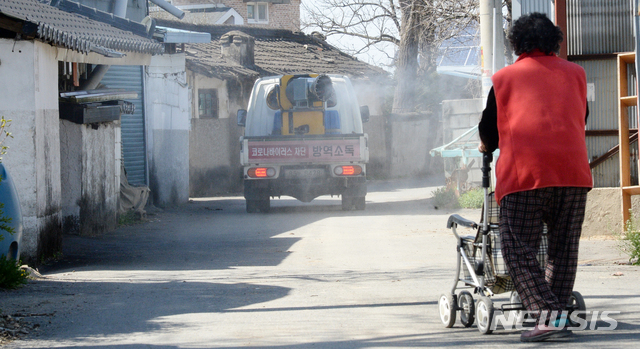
{"x":415,"y":27}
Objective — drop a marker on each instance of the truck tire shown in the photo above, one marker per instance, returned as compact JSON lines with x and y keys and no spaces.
{"x":347,"y":203}
{"x":255,"y":206}
{"x":252,"y":206}
{"x":264,"y":205}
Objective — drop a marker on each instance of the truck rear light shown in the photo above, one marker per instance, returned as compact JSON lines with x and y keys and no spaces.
{"x":347,"y":170}
{"x":261,"y":172}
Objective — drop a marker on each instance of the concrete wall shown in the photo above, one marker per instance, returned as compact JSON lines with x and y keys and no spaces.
{"x":379,"y":152}
{"x":410,"y":137}
{"x":286,"y":16}
{"x":398,"y":145}
{"x":374,"y":96}
{"x":71,"y":174}
{"x":167,"y":119}
{"x":90,"y":167}
{"x":214,"y":149}
{"x":29,"y":97}
{"x":603,"y":214}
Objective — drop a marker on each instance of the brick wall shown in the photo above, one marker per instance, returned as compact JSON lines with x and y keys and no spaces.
{"x":285,"y":16}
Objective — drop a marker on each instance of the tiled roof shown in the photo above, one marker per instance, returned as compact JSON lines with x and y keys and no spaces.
{"x":75,"y":31}
{"x":276,"y":52}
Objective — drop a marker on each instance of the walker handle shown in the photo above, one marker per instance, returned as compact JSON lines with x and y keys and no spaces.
{"x":487,"y":158}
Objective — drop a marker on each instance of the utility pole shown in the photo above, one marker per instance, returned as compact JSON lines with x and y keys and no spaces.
{"x":498,"y":36}
{"x":486,"y":45}
{"x":491,"y":41}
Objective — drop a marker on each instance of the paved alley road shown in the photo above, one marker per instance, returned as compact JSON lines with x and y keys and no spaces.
{"x":209,"y":275}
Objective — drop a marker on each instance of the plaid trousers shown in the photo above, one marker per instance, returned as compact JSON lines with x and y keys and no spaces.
{"x":522,"y":215}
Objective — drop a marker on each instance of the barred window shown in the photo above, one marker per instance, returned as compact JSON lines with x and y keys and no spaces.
{"x":208,"y":103}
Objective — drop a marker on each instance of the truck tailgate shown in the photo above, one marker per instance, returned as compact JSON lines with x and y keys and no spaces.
{"x":318,"y":150}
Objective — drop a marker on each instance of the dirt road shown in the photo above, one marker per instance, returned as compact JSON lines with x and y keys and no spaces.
{"x":209,"y":275}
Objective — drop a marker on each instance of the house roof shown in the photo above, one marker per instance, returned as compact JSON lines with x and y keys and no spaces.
{"x":201,"y":13}
{"x":72,"y":30}
{"x":276,"y":52}
{"x":215,"y":14}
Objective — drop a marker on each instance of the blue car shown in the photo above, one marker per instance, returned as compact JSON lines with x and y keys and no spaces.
{"x":10,"y":244}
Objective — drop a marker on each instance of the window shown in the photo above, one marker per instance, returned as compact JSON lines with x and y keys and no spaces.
{"x":208,"y":103}
{"x":257,"y":12}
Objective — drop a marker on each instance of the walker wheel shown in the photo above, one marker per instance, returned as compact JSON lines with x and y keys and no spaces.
{"x":447,"y":309}
{"x":467,"y":308}
{"x":514,"y":300}
{"x":484,"y":314}
{"x":576,"y":302}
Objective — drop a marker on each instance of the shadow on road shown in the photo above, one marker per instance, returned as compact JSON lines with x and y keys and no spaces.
{"x":217,"y":233}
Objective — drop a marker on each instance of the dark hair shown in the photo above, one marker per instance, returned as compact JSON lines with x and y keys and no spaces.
{"x":535,"y":31}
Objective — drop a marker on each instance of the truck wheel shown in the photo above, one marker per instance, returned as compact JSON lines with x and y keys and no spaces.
{"x":347,"y":203}
{"x":264,"y":205}
{"x":359,"y":203}
{"x":252,"y":206}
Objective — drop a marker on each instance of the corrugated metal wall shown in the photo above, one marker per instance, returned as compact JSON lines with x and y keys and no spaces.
{"x":603,"y":115}
{"x":542,"y":6}
{"x":133,"y":139}
{"x":603,"y":112}
{"x":599,"y":26}
{"x":603,"y":27}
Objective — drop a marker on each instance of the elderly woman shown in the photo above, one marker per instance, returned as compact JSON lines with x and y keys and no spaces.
{"x":536,"y":114}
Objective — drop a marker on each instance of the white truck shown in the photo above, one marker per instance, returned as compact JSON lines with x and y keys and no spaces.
{"x":303,"y":138}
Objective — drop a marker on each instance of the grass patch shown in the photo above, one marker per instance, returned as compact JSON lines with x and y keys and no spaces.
{"x":444,"y":197}
{"x":128,"y":218}
{"x":473,"y":198}
{"x":11,"y":276}
{"x":630,"y":240}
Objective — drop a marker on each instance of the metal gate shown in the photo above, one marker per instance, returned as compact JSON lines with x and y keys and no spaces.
{"x":129,"y":77}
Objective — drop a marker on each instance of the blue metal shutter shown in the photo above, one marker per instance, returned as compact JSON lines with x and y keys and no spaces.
{"x":129,"y":77}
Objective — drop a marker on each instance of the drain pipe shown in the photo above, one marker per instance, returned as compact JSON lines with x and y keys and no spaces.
{"x":169,"y":8}
{"x":120,"y":10}
{"x":94,"y":78}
